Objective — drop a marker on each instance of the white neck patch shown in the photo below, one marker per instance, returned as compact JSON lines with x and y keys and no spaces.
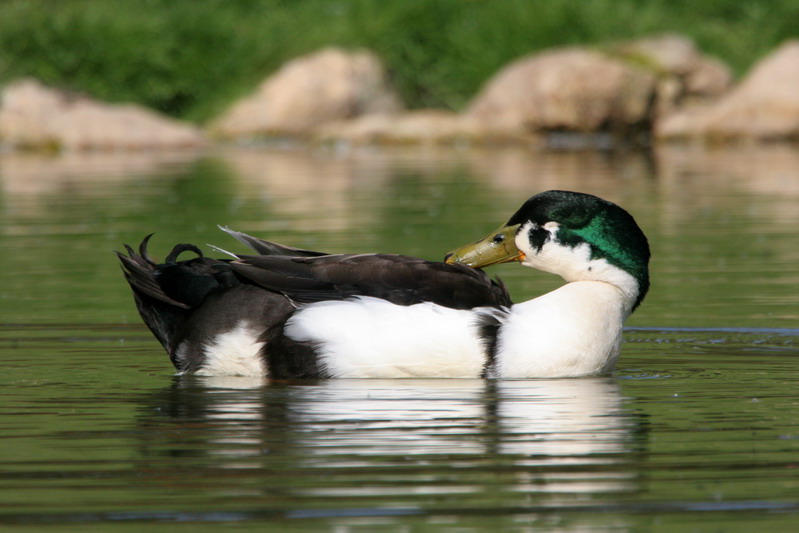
{"x":573,"y":263}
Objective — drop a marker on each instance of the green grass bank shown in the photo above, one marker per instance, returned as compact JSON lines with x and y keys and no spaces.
{"x":191,"y":58}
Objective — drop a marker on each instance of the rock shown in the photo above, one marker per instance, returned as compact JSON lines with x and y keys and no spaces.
{"x":424,"y":126}
{"x":764,"y":106}
{"x":329,"y":85}
{"x":709,"y":78}
{"x":568,"y":89}
{"x":677,"y":56}
{"x":685,"y":76}
{"x":35,"y":116}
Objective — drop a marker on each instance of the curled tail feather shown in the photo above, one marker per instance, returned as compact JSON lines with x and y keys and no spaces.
{"x":140,"y":269}
{"x":163,"y":315}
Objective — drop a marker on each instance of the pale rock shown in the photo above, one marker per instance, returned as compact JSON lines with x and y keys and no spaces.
{"x":570,"y":89}
{"x":685,"y":75}
{"x":33,"y":115}
{"x":329,"y":85}
{"x":763,"y":107}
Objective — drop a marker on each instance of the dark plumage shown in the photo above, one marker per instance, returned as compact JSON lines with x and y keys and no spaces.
{"x":188,"y":303}
{"x":399,"y":279}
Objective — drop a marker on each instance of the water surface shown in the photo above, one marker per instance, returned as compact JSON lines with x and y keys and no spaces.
{"x":697,"y":430}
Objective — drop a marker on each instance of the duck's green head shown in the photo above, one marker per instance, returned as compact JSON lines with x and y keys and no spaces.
{"x":575,"y":235}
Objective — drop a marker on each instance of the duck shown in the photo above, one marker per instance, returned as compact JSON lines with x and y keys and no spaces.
{"x":289,"y":313}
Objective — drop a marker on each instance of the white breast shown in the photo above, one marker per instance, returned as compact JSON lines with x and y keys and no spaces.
{"x":371,"y":338}
{"x":572,"y":331}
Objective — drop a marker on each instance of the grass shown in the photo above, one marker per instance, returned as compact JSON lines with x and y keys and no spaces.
{"x":192,"y":58}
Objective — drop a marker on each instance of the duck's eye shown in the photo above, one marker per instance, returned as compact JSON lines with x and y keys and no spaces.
{"x":498,"y":238}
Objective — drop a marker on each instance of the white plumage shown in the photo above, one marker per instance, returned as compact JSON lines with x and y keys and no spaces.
{"x":234,"y":353}
{"x":572,"y":331}
{"x":371,"y":338}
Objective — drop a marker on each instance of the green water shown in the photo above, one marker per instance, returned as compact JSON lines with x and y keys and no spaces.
{"x":696,"y":431}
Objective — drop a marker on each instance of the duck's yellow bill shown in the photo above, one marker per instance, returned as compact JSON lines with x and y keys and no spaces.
{"x":498,"y":247}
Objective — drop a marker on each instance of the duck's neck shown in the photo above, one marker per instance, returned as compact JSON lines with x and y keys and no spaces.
{"x":572,"y":331}
{"x":576,"y":265}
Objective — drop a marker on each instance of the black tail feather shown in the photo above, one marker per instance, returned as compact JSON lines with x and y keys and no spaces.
{"x":143,"y":249}
{"x":140,"y":271}
{"x":167,"y":294}
{"x":163,"y":315}
{"x":178,"y":249}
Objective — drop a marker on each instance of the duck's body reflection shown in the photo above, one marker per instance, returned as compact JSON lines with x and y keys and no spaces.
{"x":547,"y":437}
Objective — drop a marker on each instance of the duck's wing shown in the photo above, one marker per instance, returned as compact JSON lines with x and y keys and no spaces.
{"x":263,"y":247}
{"x":399,"y":279}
